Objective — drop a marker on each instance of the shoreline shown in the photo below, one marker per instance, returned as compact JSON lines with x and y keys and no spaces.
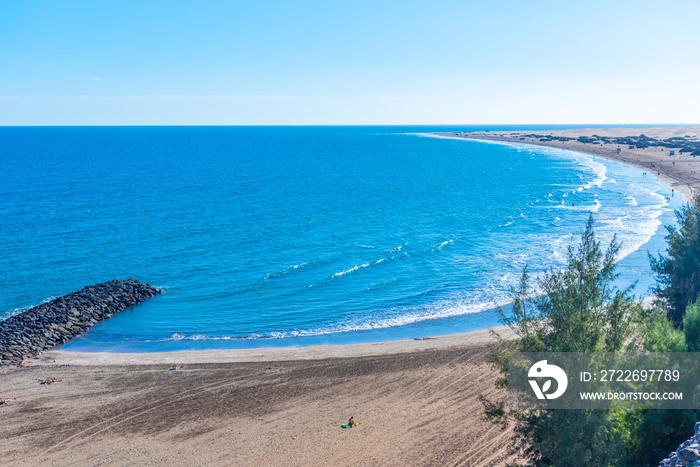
{"x":417,"y":402}
{"x":681,"y":172}
{"x":649,"y":159}
{"x":272,"y":354}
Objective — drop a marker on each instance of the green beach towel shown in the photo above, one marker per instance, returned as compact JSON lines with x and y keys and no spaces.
{"x":347,"y":425}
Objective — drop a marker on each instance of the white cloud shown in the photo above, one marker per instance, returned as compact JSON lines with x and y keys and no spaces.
{"x":96,"y":79}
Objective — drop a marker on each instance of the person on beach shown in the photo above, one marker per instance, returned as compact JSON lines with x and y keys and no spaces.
{"x":351,"y":422}
{"x":6,"y":401}
{"x":49,"y":381}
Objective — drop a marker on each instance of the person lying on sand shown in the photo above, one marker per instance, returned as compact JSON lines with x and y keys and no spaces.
{"x":351,"y":423}
{"x":179,"y":367}
{"x":52,"y":380}
{"x":6,"y":401}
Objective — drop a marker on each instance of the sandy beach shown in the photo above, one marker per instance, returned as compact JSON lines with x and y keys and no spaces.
{"x":416,"y":402}
{"x":681,"y":171}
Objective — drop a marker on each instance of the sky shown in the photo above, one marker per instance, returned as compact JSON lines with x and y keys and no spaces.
{"x":349,"y":63}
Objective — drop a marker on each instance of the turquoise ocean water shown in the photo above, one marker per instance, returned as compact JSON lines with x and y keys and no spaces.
{"x":274,"y":236}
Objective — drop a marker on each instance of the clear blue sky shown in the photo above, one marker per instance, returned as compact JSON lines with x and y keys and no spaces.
{"x":360,"y":62}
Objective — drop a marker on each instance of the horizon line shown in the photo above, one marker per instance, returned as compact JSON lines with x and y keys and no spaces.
{"x":581,"y":125}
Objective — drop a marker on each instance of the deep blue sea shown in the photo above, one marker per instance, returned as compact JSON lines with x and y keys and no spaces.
{"x":269,"y":236}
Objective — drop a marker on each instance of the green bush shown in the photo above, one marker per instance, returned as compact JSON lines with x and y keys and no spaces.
{"x":691,"y":327}
{"x":579,"y":309}
{"x":678,"y":271}
{"x":660,"y":335}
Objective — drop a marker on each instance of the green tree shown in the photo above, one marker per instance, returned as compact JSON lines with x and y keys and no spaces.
{"x":691,"y":326}
{"x":619,"y":316}
{"x":651,"y":434}
{"x":573,"y":438}
{"x":577,"y":309}
{"x":678,"y":271}
{"x":580,"y":309}
{"x":655,"y":433}
{"x":659,"y":335}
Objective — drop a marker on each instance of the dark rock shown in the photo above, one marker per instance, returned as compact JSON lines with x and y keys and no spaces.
{"x":42,"y":327}
{"x":688,"y":455}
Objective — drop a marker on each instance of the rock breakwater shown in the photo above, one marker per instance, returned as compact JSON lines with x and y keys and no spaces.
{"x":687,"y":454}
{"x":45,"y":326}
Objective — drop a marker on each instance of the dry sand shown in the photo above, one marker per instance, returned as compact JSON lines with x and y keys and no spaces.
{"x":416,"y":405}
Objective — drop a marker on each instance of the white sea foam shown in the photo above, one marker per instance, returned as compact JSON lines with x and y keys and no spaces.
{"x":637,"y":234}
{"x":203,"y":337}
{"x":598,"y":169}
{"x":495,"y":294}
{"x":632,"y":234}
{"x":653,"y":194}
{"x":14,"y":312}
{"x":284,"y":272}
{"x":399,"y":317}
{"x":633,"y":227}
{"x":560,"y":245}
{"x":444,"y":243}
{"x":592,"y":208}
{"x":17,"y":311}
{"x":348,"y":271}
